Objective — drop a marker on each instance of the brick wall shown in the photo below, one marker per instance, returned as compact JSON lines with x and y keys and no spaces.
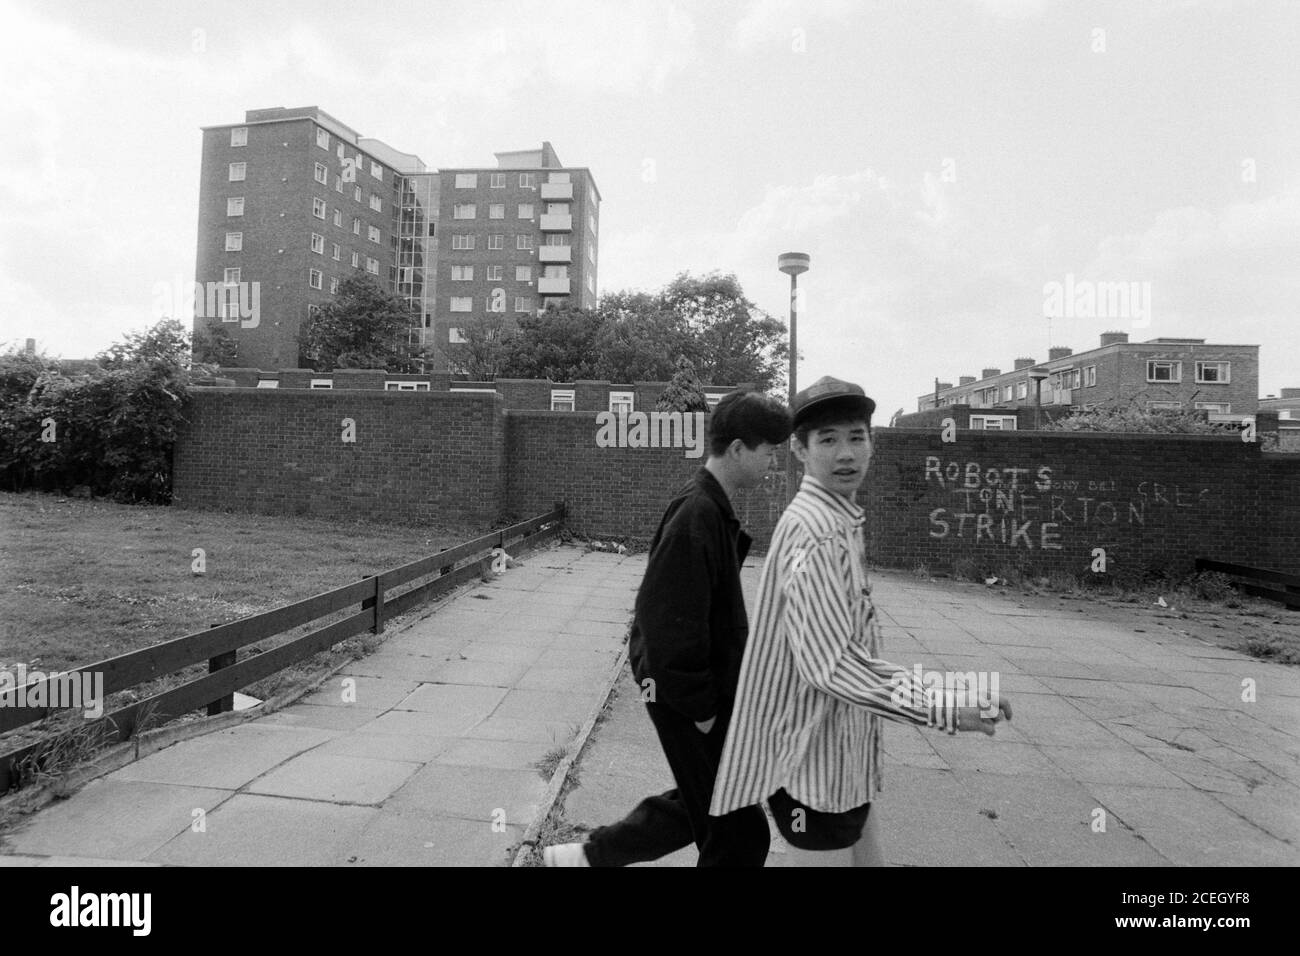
{"x":422,"y":456}
{"x":1039,"y":499}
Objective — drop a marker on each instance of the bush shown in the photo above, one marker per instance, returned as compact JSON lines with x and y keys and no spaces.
{"x":1212,"y":586}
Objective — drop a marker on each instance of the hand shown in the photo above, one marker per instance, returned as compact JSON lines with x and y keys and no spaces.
{"x":704,"y":726}
{"x":972,"y":718}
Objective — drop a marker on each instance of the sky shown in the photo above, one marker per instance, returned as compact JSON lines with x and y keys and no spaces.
{"x":943,"y":162}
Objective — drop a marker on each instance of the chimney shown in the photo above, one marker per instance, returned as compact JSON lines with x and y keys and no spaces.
{"x":31,"y":347}
{"x":990,"y":372}
{"x":1059,"y":352}
{"x":1113,"y":338}
{"x":1286,"y":392}
{"x":1024,"y":363}
{"x":965,"y":379}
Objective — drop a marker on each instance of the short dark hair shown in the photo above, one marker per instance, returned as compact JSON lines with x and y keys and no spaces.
{"x":752,"y":417}
{"x":831,"y":413}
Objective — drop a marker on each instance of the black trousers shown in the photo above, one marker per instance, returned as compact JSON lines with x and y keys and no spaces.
{"x":665,"y":823}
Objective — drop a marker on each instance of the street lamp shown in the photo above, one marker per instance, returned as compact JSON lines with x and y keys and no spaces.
{"x":793,"y":264}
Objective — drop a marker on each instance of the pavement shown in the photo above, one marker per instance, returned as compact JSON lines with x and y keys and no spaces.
{"x":1126,"y":748}
{"x":1143,"y":734}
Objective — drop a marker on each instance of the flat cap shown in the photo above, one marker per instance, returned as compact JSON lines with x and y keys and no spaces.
{"x":827,"y":391}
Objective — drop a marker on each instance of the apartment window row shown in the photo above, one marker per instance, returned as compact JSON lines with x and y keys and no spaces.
{"x":1207,"y":373}
{"x":465,"y":303}
{"x":467,"y":240}
{"x":495,"y":180}
{"x":496,"y":210}
{"x":494,"y":273}
{"x":314,"y":277}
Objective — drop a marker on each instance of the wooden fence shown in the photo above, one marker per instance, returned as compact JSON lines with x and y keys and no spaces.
{"x":219,"y":646}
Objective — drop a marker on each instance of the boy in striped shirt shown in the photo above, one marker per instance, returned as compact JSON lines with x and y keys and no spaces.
{"x":805,"y":733}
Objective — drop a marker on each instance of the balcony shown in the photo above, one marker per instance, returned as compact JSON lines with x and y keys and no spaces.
{"x":554,"y":222}
{"x":557,"y":190}
{"x":555,"y":253}
{"x":546,"y":286}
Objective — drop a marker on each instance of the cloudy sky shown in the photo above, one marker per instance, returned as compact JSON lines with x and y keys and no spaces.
{"x":942,"y":162}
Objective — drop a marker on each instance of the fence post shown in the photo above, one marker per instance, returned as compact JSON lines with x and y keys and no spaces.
{"x":221,"y":705}
{"x":378,"y":627}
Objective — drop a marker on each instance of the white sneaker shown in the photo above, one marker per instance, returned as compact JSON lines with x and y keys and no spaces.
{"x":565,"y":854}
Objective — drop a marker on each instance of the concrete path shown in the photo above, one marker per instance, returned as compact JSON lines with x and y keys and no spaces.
{"x":1145,"y":733}
{"x":420,"y":754}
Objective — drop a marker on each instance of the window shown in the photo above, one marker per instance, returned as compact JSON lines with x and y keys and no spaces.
{"x":497,"y":180}
{"x":523,"y":273}
{"x":557,"y":239}
{"x":267,"y":383}
{"x":406,"y":386}
{"x":230,"y":276}
{"x":337,"y":251}
{"x":314,"y":277}
{"x":356,"y":226}
{"x":591,"y":223}
{"x":317,"y":244}
{"x":239,"y":136}
{"x":455,"y":337}
{"x":527,"y":180}
{"x":376,"y":170}
{"x":1022,"y":390}
{"x":235,"y":206}
{"x":1213,"y":373}
{"x":340,"y":150}
{"x":372,"y":266}
{"x":322,"y":174}
{"x":237,"y":171}
{"x":494,"y":273}
{"x":322,"y":383}
{"x":1076,"y":377}
{"x":334,"y":285}
{"x":1090,"y":376}
{"x":338,"y":218}
{"x":1006,"y":393}
{"x":562,"y":399}
{"x":1164,"y":406}
{"x":496,"y":242}
{"x":356,"y":260}
{"x":234,"y":241}
{"x":376,"y":203}
{"x":497,"y":210}
{"x":994,"y":423}
{"x":462,"y":241}
{"x":463,"y":210}
{"x":467,"y":180}
{"x":373,"y":233}
{"x":591,"y":253}
{"x":620,"y":403}
{"x":1164,"y":371}
{"x":322,"y":138}
{"x":462,"y":303}
{"x":1220,"y":408}
{"x":356,"y":193}
{"x":462,"y":273}
{"x":318,"y":208}
{"x":523,"y":303}
{"x":523,"y":242}
{"x":525,"y":210}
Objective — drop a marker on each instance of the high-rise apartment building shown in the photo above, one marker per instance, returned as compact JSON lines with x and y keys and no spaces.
{"x":516,"y":239}
{"x":292,"y":201}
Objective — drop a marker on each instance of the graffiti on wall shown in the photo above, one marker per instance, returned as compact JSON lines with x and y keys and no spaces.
{"x":1034,"y":509}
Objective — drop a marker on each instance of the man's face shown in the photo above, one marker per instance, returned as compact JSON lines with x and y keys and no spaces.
{"x":837,"y":456}
{"x":753,"y":463}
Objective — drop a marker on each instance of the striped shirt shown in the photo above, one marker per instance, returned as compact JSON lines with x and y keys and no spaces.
{"x":812,"y":684}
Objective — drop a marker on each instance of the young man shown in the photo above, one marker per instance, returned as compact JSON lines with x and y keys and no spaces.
{"x":687,"y":640}
{"x":806,"y":731}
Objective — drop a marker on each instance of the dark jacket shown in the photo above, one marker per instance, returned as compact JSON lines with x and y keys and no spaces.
{"x":689,"y":632}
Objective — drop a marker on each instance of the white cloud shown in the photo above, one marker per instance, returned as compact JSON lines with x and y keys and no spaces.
{"x":775,"y":21}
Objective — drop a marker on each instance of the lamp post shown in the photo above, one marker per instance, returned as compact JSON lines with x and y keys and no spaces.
{"x":793,"y":264}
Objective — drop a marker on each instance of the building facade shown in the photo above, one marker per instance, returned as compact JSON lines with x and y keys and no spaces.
{"x":517,"y":239}
{"x":292,"y":202}
{"x":1183,"y":373}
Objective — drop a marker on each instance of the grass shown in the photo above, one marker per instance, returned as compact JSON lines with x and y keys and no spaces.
{"x":90,"y":579}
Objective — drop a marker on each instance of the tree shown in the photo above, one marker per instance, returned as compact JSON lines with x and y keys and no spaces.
{"x":685,"y":392}
{"x":731,"y":339}
{"x":166,"y":342}
{"x":213,"y":345}
{"x":638,"y":338}
{"x":560,"y":344}
{"x":363,"y":327}
{"x":1134,"y":418}
{"x":481,"y":354}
